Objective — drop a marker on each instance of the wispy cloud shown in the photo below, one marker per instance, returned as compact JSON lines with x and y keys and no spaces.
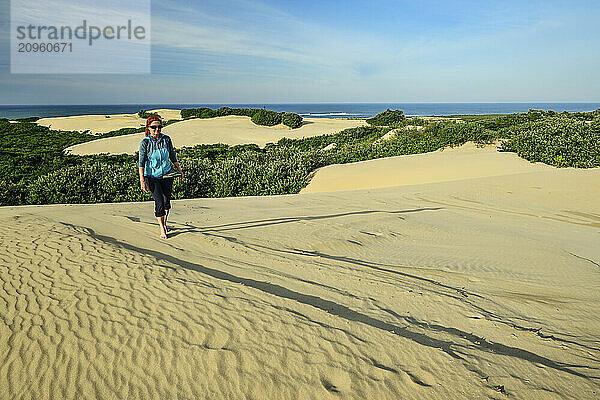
{"x":259,"y":31}
{"x":392,"y":50}
{"x":265,"y":32}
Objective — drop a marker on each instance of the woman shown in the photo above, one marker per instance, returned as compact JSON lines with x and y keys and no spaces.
{"x":156,"y":149}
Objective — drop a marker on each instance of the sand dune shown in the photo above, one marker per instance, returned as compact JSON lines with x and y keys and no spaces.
{"x":231,"y":130}
{"x":97,"y":124}
{"x":476,"y":288}
{"x":447,"y":164}
{"x":167,"y":113}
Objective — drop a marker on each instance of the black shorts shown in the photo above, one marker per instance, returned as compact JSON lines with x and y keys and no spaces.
{"x":161,"y":190}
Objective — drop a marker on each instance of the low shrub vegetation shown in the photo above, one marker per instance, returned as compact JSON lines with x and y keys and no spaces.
{"x":388,"y":118}
{"x":205,"y":112}
{"x":292,"y":120}
{"x":258,"y":115}
{"x":28,"y":119}
{"x":266,"y":117}
{"x":145,"y":114}
{"x":35,"y":169}
{"x":558,"y":141}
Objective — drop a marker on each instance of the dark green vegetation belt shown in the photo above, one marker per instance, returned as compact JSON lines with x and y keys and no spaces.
{"x":35,"y":169}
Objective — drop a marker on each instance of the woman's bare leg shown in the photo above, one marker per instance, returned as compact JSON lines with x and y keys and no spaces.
{"x":161,"y":223}
{"x":165,"y":217}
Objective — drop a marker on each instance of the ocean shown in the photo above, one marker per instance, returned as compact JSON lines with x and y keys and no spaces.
{"x":316,"y":110}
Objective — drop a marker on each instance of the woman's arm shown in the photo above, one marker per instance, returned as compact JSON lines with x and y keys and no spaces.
{"x":142,"y":180}
{"x":141,"y":163}
{"x":173,"y":158}
{"x":179,"y":169}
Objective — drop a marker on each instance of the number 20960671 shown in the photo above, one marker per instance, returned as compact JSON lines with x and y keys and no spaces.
{"x":45,"y":47}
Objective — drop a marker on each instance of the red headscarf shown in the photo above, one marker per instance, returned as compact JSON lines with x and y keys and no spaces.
{"x":151,"y":119}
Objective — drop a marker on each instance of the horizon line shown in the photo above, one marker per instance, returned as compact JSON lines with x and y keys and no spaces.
{"x":325,"y":102}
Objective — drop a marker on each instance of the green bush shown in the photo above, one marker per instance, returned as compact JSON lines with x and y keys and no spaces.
{"x":259,"y":116}
{"x":345,"y":137}
{"x":208,"y":113}
{"x":122,"y":131}
{"x":223,"y":111}
{"x":266,"y":117}
{"x":279,"y":170}
{"x":145,"y":114}
{"x":292,"y":120}
{"x":13,"y":193}
{"x":198,"y":178}
{"x":205,"y":112}
{"x":246,"y":112}
{"x":387,"y":118}
{"x":416,"y":121}
{"x":28,"y":119}
{"x":28,"y":150}
{"x":187,"y":113}
{"x":558,"y":141}
{"x":88,"y":183}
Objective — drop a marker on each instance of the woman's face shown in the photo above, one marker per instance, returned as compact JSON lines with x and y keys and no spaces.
{"x":155,"y":127}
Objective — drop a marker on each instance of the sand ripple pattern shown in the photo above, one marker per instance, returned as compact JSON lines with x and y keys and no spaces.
{"x":83,"y":317}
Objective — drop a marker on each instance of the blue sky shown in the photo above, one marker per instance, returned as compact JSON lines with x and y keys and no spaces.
{"x":343,"y":51}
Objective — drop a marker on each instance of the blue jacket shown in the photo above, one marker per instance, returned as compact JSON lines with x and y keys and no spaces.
{"x":155,"y":155}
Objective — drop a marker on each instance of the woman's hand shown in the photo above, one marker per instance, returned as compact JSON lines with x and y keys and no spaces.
{"x":179,"y":169}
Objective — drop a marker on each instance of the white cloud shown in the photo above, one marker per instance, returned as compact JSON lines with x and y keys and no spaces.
{"x":261,"y":31}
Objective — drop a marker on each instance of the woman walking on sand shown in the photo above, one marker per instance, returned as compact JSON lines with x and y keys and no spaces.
{"x":156,"y":150}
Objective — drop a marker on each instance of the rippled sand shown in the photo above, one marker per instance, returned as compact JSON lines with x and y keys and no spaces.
{"x":476,"y":288}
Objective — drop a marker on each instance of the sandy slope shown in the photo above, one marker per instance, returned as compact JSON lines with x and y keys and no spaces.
{"x":98,"y":124}
{"x":485,"y":287}
{"x":447,"y":164}
{"x":231,"y":130}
